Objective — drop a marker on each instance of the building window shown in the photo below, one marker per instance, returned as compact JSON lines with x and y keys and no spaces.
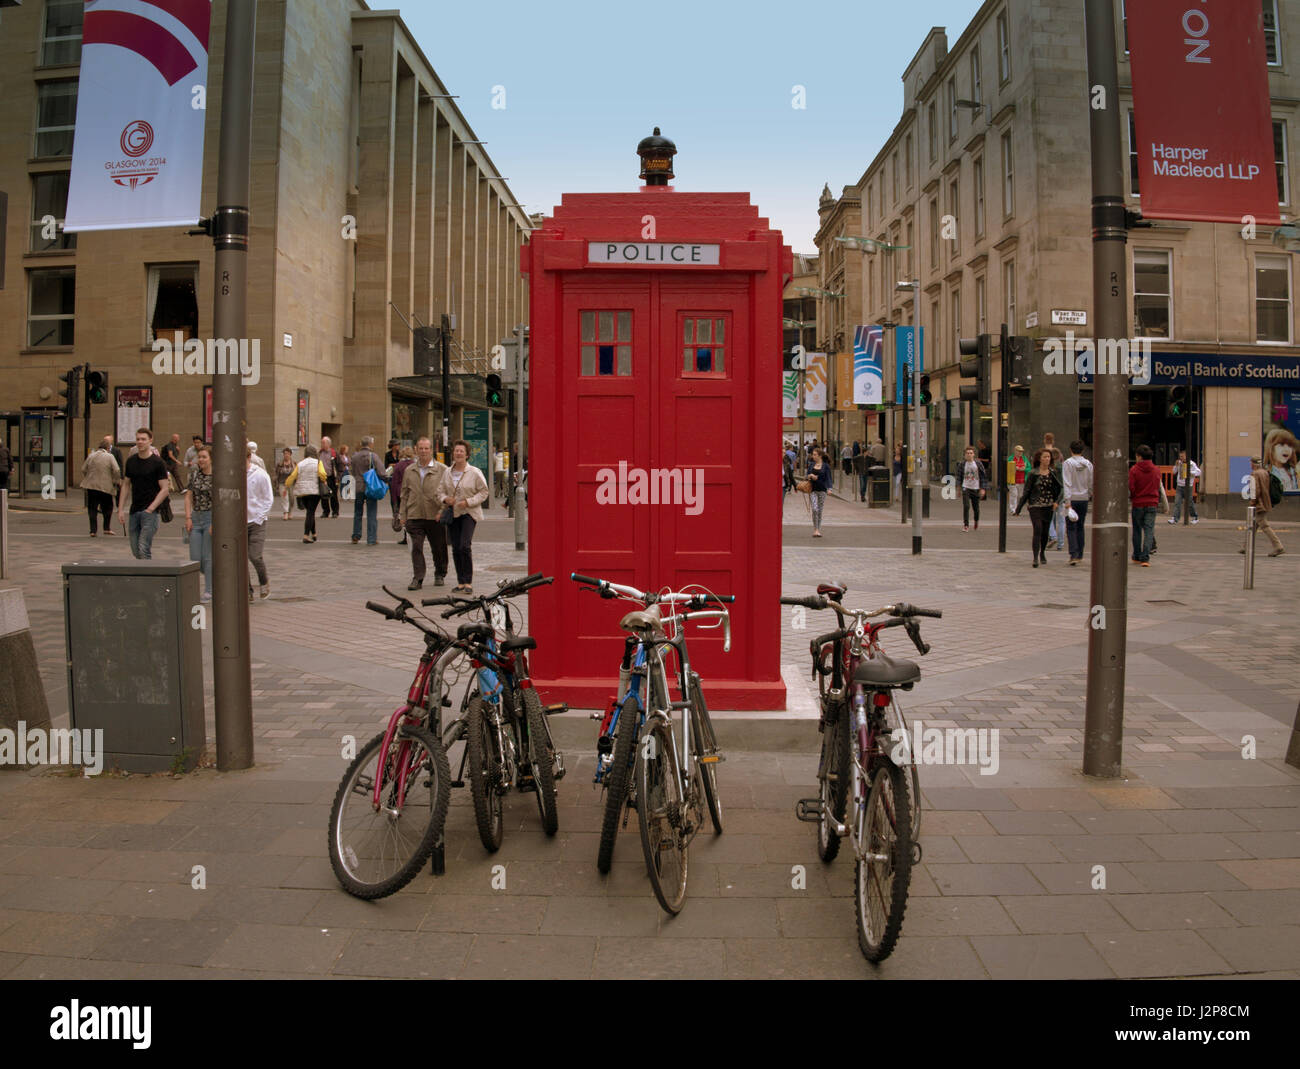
{"x":704,"y":345}
{"x":1123,"y":23}
{"x":977,"y":175}
{"x":1133,"y":155}
{"x":1008,"y":177}
{"x":908,"y":260}
{"x":871,"y":210}
{"x":1279,"y":161}
{"x":955,"y":325}
{"x":1009,"y":288}
{"x":934,"y":325}
{"x":1272,"y":39}
{"x":1004,"y":49}
{"x":49,"y":203}
{"x":952,"y":109}
{"x":871,"y":279}
{"x":606,"y":343}
{"x":52,"y":306}
{"x":56,"y":117}
{"x":907,"y":160}
{"x":933,"y":132}
{"x":894,"y":168}
{"x":981,"y":305}
{"x":976,"y":79}
{"x":61,"y":42}
{"x":954,"y":209}
{"x":171,"y":302}
{"x":1152,"y":295}
{"x":1273,"y":298}
{"x":934,"y":233}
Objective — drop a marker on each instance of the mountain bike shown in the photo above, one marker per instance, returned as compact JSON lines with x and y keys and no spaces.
{"x":508,"y":744}
{"x":865,"y":749}
{"x":675,"y":778}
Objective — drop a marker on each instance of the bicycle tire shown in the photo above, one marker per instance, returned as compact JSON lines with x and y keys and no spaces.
{"x":833,"y":778}
{"x":542,"y":757}
{"x":374,"y":831}
{"x":706,"y":743}
{"x":617,"y":780}
{"x":661,"y":810}
{"x":881,"y":881}
{"x":482,"y":757}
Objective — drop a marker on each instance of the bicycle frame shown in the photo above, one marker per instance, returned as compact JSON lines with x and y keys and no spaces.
{"x":416,"y":698}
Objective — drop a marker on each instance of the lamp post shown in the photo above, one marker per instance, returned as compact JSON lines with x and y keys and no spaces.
{"x":914,"y":414}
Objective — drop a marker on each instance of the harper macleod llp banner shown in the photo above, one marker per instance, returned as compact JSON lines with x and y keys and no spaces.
{"x":137,"y":158}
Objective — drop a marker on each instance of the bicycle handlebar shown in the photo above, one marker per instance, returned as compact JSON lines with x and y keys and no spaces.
{"x":383,"y":610}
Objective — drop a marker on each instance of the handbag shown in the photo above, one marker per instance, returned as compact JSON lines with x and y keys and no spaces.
{"x":803,"y":486}
{"x":375,"y":488}
{"x":447,"y":515}
{"x":165,"y":510}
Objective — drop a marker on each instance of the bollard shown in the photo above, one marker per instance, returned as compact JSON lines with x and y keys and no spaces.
{"x":1249,"y":581}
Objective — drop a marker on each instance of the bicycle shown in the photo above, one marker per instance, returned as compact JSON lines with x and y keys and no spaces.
{"x":674,"y":783}
{"x":865,"y":747}
{"x":508,"y":742}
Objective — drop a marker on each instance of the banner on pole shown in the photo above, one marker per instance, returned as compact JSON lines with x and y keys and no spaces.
{"x":790,"y":395}
{"x":814,"y":386}
{"x":1202,"y":111}
{"x":137,"y":155}
{"x":909,"y":346}
{"x":868,"y":365}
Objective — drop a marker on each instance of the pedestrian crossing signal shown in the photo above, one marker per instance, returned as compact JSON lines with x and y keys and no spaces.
{"x":96,"y":387}
{"x":493,"y":385}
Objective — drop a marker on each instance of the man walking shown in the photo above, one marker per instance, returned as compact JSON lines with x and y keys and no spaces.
{"x":1185,"y":475}
{"x":1077,"y":474}
{"x":364,"y":460}
{"x":192,"y":458}
{"x":171,"y":454}
{"x":1144,"y":497}
{"x":6,"y":465}
{"x":330,"y":492}
{"x":147,"y":484}
{"x":419,"y":513}
{"x":1263,"y":501}
{"x":973,"y":478}
{"x":260,"y":494}
{"x":107,"y":443}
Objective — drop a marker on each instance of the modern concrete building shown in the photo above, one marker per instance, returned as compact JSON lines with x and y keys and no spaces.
{"x":986,"y":176}
{"x":374,"y":209}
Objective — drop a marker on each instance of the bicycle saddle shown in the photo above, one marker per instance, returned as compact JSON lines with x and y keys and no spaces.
{"x":642,"y":620}
{"x":834,"y":591}
{"x":474,"y":632}
{"x":883,"y":671}
{"x":522,"y":642}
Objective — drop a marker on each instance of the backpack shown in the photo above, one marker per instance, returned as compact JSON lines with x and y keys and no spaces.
{"x":1274,"y":489}
{"x":375,"y":488}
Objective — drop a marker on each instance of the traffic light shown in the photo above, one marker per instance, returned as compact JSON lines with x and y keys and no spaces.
{"x":96,"y":387}
{"x":424,"y":352}
{"x":493,"y":384}
{"x":68,"y":391}
{"x":1017,"y":361}
{"x":1178,"y":406}
{"x":926,"y":396}
{"x":977,"y":363}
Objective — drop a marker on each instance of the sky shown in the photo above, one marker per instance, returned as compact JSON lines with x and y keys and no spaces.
{"x":583,"y":82}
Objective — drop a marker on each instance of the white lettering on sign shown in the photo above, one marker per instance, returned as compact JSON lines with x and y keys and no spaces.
{"x":1196,"y":24}
{"x":655,"y":254}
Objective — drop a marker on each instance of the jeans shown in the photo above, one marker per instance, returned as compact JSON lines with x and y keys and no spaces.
{"x":1013,"y":496}
{"x":141,"y":527}
{"x":99,"y":503}
{"x":970,"y":499}
{"x":1074,"y":529}
{"x":256,"y":545}
{"x":417,"y":531}
{"x":201,"y":545}
{"x":1144,"y":532}
{"x":1041,"y":517}
{"x":461,"y":537}
{"x":1184,"y":492}
{"x":370,"y":506}
{"x":818,"y":503}
{"x":1056,"y":531}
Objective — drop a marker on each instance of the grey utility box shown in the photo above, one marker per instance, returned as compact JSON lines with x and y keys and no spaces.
{"x":135,"y":663}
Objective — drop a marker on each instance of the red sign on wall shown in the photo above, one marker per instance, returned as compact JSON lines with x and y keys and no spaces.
{"x":1202,"y":111}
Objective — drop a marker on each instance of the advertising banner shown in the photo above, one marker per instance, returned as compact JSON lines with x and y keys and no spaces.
{"x":133,"y":407}
{"x":475,"y":431}
{"x":909,"y":346}
{"x":814,"y":387}
{"x":790,"y":395}
{"x":868,"y":365}
{"x":1202,"y":111}
{"x":137,"y":155}
{"x":844,"y":383}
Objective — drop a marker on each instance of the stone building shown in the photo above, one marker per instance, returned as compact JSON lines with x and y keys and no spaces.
{"x":374,"y":209}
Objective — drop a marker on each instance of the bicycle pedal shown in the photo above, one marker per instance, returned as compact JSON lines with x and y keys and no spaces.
{"x":563,"y":707}
{"x":598,"y":715}
{"x":458,"y":783}
{"x":712,"y":759}
{"x":559,"y":769}
{"x":809,"y":810}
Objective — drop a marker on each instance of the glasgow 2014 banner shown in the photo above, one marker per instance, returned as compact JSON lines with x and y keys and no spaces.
{"x":868,"y":366}
{"x":137,"y":157}
{"x":1202,"y":112}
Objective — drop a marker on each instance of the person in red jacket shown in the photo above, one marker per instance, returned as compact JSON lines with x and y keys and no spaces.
{"x":1144,"y":497}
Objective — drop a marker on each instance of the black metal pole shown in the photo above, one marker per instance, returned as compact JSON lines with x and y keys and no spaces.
{"x":1003,"y":438}
{"x":444,"y":342}
{"x":232,"y":667}
{"x":85,"y":413}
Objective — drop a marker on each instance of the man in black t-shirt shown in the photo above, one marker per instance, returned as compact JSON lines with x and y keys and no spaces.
{"x":147,"y":485}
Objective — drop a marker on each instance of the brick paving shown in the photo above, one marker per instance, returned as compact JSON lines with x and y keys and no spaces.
{"x":1189,"y":865}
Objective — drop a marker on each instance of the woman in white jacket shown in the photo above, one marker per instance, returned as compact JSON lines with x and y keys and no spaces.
{"x":464,"y":489}
{"x":310,"y":478}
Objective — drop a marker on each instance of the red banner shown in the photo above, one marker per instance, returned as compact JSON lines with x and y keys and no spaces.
{"x":1202,"y":112}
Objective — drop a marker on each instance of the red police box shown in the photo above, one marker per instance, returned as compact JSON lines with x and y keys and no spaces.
{"x":654,"y":428}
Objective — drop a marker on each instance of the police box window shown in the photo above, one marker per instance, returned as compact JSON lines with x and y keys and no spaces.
{"x":605,"y":342}
{"x":704,"y":345}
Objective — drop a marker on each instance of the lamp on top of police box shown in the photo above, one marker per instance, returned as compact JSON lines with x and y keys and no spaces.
{"x":656,"y":154}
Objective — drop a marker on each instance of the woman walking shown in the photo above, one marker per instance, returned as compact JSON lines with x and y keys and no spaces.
{"x":100,"y":477}
{"x":198,"y":516}
{"x":463,"y":489}
{"x":309,"y":475}
{"x":973,"y":478}
{"x":1043,"y":496}
{"x":819,"y":474}
{"x":898,"y":473}
{"x":394,"y":473}
{"x":282,"y":472}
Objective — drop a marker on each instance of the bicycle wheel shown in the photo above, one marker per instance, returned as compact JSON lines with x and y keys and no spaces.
{"x":706,"y":745}
{"x":541,"y":754}
{"x":618,"y":779}
{"x":481,"y":754}
{"x":375,"y":852}
{"x":833,"y":775}
{"x":660,"y":811}
{"x":885,"y":868}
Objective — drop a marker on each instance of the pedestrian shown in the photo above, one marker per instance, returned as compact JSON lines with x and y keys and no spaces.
{"x":846,"y":459}
{"x":1260,"y":489}
{"x":787,"y":472}
{"x":898,"y":473}
{"x":171,"y":455}
{"x":1056,"y":534}
{"x":343,"y":486}
{"x":100,"y":476}
{"x":1076,"y":475}
{"x":984,"y":452}
{"x":421,"y":505}
{"x":819,"y":474}
{"x":6,"y":465}
{"x":1021,"y":467}
{"x":191,"y":458}
{"x":198,"y":516}
{"x":334,"y":466}
{"x":107,"y":443}
{"x":1186,"y":473}
{"x":1043,"y":497}
{"x":309,"y":477}
{"x":463,"y":489}
{"x":394,"y":475}
{"x":499,"y":473}
{"x":250,"y":452}
{"x":260,"y":496}
{"x":1144,"y":498}
{"x":394,"y":453}
{"x":283,"y":469}
{"x":148,"y":485}
{"x":363,"y":460}
{"x":973,"y":478}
